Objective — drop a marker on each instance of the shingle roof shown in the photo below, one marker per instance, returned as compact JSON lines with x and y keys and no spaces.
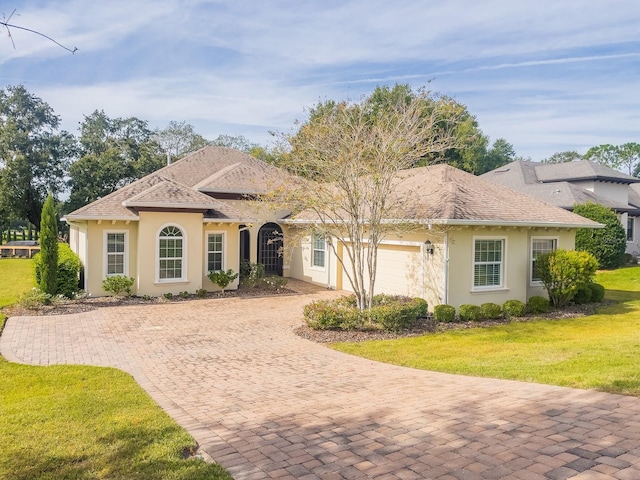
{"x":181,"y":185}
{"x":552,"y":182}
{"x":444,"y":194}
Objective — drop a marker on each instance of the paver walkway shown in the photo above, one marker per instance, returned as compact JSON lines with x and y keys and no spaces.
{"x":267,"y":404}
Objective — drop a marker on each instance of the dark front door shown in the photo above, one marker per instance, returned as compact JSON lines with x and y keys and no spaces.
{"x":270,"y":248}
{"x":245,"y":242}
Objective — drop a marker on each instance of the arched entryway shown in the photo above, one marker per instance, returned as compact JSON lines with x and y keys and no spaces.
{"x":270,"y":248}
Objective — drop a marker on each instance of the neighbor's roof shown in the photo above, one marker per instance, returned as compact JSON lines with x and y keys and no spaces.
{"x":551,"y":182}
{"x":441,"y":194}
{"x":184,"y":184}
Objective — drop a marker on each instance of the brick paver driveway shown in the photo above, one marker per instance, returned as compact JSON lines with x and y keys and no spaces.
{"x":267,"y":404}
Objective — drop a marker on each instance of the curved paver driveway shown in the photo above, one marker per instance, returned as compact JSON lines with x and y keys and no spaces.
{"x":267,"y":404}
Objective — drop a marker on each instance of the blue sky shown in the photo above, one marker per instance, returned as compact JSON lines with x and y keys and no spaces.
{"x":547,"y":75}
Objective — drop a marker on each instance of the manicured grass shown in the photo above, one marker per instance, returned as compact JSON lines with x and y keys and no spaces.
{"x":600,"y":351}
{"x":17,"y":277}
{"x":75,"y":422}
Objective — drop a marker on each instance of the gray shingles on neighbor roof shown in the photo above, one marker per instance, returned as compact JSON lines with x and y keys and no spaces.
{"x":552,"y":182}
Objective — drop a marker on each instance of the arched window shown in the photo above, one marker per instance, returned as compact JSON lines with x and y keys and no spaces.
{"x":170,"y":254}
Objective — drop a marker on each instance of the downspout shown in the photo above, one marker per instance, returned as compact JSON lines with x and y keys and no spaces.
{"x":445,"y":265}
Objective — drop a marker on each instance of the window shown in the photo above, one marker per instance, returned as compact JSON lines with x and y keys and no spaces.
{"x":170,"y":254}
{"x":487,"y":263}
{"x":318,"y":251}
{"x":540,"y":246}
{"x":116,"y":247}
{"x":630,"y":221}
{"x":215,"y":250}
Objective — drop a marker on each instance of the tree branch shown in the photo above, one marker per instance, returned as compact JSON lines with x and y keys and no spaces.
{"x":5,"y":23}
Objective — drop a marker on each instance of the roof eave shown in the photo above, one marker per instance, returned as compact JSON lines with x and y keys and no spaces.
{"x":466,"y":222}
{"x":108,"y":218}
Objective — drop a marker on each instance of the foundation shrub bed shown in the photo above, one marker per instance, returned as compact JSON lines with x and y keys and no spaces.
{"x":67,"y":273}
{"x":583,"y":295}
{"x":389,"y":313}
{"x":597,"y":292}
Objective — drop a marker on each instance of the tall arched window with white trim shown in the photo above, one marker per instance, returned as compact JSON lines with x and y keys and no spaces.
{"x":170,"y":254}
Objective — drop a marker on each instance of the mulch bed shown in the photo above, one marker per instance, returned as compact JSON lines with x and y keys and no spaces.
{"x":67,"y":306}
{"x":428,"y":325}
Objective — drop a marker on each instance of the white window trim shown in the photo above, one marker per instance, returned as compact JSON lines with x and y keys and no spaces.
{"x":224,"y":249}
{"x":184,"y":276}
{"x":105,"y":261}
{"x":532,"y":282}
{"x":313,"y":249}
{"x":503,"y":265}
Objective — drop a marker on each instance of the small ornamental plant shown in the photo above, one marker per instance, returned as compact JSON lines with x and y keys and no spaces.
{"x":117,"y":285}
{"x":444,"y":313}
{"x":222,"y":278}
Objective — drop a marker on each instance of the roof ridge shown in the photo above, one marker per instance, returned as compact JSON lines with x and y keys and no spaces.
{"x":216,"y":175}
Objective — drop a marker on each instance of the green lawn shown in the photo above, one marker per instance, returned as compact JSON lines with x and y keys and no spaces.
{"x":16,"y":277}
{"x":74,"y":422}
{"x":600,"y":351}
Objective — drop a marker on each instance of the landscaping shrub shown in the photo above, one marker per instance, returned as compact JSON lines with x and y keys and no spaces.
{"x":222,"y":278}
{"x":168,"y":296}
{"x":563,"y":271}
{"x":597,"y":292}
{"x":48,"y":277}
{"x":538,"y":304}
{"x":514,"y":308}
{"x":582,"y":295}
{"x":201,"y":293}
{"x":606,"y":244}
{"x":254,"y":274}
{"x":444,"y":313}
{"x":34,"y":298}
{"x":470,"y":313}
{"x":68,"y":270}
{"x":388,"y":312}
{"x":490,"y":311}
{"x":118,"y":284}
{"x":185,"y":295}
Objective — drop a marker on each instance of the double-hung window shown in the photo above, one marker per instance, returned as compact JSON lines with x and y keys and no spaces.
{"x":488,"y":263}
{"x":318,"y":254}
{"x":540,"y":246}
{"x":215,"y":252}
{"x":170,"y":254}
{"x":115,"y":253}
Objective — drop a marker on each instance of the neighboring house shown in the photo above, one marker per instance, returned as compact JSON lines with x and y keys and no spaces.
{"x":473,"y":241}
{"x":571,"y":183}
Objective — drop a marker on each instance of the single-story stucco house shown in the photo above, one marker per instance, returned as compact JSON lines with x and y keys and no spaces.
{"x":474,"y":241}
{"x":571,"y":183}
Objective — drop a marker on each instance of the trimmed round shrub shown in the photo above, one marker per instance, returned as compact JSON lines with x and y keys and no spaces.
{"x":470,"y":313}
{"x":444,"y":313}
{"x":538,"y":304}
{"x":387,"y":313}
{"x":514,"y":308}
{"x":583,"y":295}
{"x":68,"y":270}
{"x":597,"y":292}
{"x":490,"y":311}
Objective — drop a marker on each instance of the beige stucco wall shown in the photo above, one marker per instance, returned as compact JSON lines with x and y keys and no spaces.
{"x":95,"y":252}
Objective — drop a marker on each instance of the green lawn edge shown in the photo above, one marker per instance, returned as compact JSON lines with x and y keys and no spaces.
{"x":600,"y":351}
{"x":80,"y":422}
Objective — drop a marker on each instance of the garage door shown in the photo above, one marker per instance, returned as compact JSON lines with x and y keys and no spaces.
{"x":399,"y":271}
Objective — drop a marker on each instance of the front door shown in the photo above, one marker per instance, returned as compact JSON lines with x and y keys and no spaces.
{"x":270,"y":248}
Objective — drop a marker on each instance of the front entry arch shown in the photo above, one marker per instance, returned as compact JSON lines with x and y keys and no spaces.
{"x":270,"y":248}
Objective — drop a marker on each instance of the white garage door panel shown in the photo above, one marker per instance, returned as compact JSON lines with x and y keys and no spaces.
{"x":399,"y":271}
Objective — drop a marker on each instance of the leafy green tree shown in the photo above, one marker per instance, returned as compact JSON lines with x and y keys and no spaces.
{"x":238,"y":142}
{"x":34,"y":154}
{"x":607,"y":244}
{"x":562,"y":157}
{"x":630,"y":157}
{"x":48,"y":281}
{"x":178,"y":139}
{"x":500,"y":153}
{"x":607,"y":155}
{"x":564,"y":272}
{"x":114,"y":152}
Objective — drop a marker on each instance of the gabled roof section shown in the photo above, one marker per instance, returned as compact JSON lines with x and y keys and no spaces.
{"x":224,"y":170}
{"x":580,"y":170}
{"x":441,"y":194}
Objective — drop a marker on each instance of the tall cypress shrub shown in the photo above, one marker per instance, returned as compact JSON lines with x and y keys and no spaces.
{"x":49,"y":247}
